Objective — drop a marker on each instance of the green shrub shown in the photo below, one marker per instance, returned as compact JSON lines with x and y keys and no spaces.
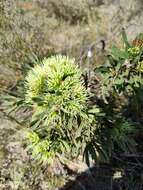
{"x":122,"y":73}
{"x":119,"y":94}
{"x":60,"y":123}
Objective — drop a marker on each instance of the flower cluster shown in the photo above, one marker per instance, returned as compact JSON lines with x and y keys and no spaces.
{"x":134,"y":51}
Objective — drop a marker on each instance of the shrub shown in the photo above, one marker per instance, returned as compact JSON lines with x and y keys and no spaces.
{"x":122,"y":73}
{"x":61,"y":122}
{"x":119,"y":93}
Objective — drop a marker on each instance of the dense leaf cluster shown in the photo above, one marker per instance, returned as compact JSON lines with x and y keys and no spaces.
{"x":61,"y":123}
{"x":122,"y":73}
{"x":119,"y":95}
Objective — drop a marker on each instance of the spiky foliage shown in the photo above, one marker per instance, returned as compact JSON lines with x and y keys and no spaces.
{"x":60,"y":122}
{"x":56,"y":84}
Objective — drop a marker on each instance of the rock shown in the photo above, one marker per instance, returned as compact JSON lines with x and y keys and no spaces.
{"x":17,"y":169}
{"x":7,"y":77}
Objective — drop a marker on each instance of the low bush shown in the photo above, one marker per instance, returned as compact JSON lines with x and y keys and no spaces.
{"x":61,"y":123}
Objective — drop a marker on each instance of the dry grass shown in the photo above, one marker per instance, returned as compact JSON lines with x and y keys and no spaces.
{"x":52,"y":27}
